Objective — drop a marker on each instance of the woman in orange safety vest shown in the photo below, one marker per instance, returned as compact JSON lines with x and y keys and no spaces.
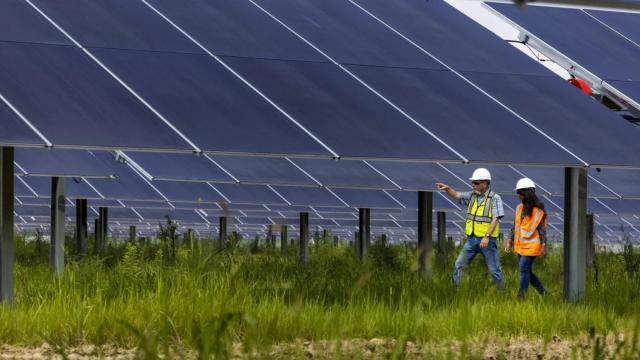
{"x":528,"y":234}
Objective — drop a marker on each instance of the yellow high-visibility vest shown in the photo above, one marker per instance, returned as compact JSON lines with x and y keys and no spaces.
{"x":480,"y":215}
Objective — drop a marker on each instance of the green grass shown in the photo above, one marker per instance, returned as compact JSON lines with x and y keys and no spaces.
{"x":205,"y":300}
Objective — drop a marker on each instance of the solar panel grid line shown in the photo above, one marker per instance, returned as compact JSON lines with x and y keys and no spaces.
{"x":605,"y":186}
{"x":362,"y":82}
{"x":305,"y":172}
{"x":25,"y":120}
{"x":28,"y":186}
{"x":199,"y":212}
{"x":134,"y":164}
{"x":610,"y":28}
{"x":221,"y":168}
{"x":337,"y":197}
{"x":394,"y":199}
{"x":117,"y":78}
{"x":245,"y":81}
{"x":219,"y":193}
{"x":605,"y":205}
{"x":382,"y":174}
{"x":448,"y":199}
{"x":150,"y":184}
{"x":513,"y":112}
{"x":280,"y":195}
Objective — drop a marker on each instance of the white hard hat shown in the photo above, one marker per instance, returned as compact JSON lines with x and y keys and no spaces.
{"x":525,"y":183}
{"x":481,"y":174}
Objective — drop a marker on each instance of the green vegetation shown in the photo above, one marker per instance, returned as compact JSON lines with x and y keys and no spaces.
{"x":205,"y":299}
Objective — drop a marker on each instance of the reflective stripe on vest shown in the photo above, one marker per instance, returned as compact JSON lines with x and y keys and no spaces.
{"x":479,"y":216}
{"x":525,"y":232}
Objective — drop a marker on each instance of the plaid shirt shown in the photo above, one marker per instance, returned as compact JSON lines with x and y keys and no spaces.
{"x":496,"y":207}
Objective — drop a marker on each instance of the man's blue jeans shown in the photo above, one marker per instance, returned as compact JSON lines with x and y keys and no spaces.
{"x":491,"y":257}
{"x":527,"y":276}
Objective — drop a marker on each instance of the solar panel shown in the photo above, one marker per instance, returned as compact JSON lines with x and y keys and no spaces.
{"x":348,"y":117}
{"x":309,"y":196}
{"x":451,"y":36}
{"x":74,"y":188}
{"x":261,"y":170}
{"x":249,"y":194}
{"x":188,"y":191}
{"x":165,"y":166}
{"x":75,"y":103}
{"x":235,"y":28}
{"x":59,"y":162}
{"x":365,"y":198}
{"x":127,"y":186}
{"x":344,"y":173}
{"x":20,"y":132}
{"x":580,"y":37}
{"x":21,"y":23}
{"x":627,"y":24}
{"x":209,"y":104}
{"x":556,"y":114}
{"x":346,"y":33}
{"x":120,"y":24}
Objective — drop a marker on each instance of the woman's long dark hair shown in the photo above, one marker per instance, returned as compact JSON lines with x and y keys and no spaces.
{"x":529,"y":201}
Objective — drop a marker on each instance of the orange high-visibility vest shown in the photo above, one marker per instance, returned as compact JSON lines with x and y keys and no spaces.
{"x":525,"y":232}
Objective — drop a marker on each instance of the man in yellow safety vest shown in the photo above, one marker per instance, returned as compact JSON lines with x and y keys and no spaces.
{"x":484,"y":211}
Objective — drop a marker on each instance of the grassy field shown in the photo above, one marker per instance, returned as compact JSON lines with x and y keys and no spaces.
{"x":205,"y":301}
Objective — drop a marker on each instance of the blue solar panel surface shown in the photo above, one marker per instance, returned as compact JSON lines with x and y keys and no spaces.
{"x":450,"y":36}
{"x":74,"y":188}
{"x":263,"y":170}
{"x":188,"y":191}
{"x":347,"y":34}
{"x":120,"y":24}
{"x":434,"y":99}
{"x":166,"y":166}
{"x":209,"y":104}
{"x":308,"y":196}
{"x":348,"y":117}
{"x":249,"y":194}
{"x":344,"y":174}
{"x":75,"y":103}
{"x":581,"y":38}
{"x":577,"y":122}
{"x":235,"y":28}
{"x":19,"y":22}
{"x":56,"y":162}
{"x":627,"y":24}
{"x":20,"y":132}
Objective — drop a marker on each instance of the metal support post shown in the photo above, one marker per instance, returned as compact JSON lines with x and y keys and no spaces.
{"x":7,"y":245}
{"x":364,"y":232}
{"x":56,"y":249}
{"x":96,"y":235}
{"x":425,"y":233}
{"x":104,"y":227}
{"x":304,"y":237}
{"x":283,"y":238}
{"x":81,"y":226}
{"x":575,"y":240}
{"x":442,"y":236}
{"x":132,"y":234}
{"x":591,"y":246}
{"x":222,"y":235}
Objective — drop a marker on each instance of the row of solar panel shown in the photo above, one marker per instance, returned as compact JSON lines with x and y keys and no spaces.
{"x":363,"y":79}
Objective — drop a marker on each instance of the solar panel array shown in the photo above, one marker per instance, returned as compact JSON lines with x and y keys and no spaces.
{"x":269,"y":94}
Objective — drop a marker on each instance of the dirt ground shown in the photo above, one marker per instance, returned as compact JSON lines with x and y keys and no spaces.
{"x":610,"y":347}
